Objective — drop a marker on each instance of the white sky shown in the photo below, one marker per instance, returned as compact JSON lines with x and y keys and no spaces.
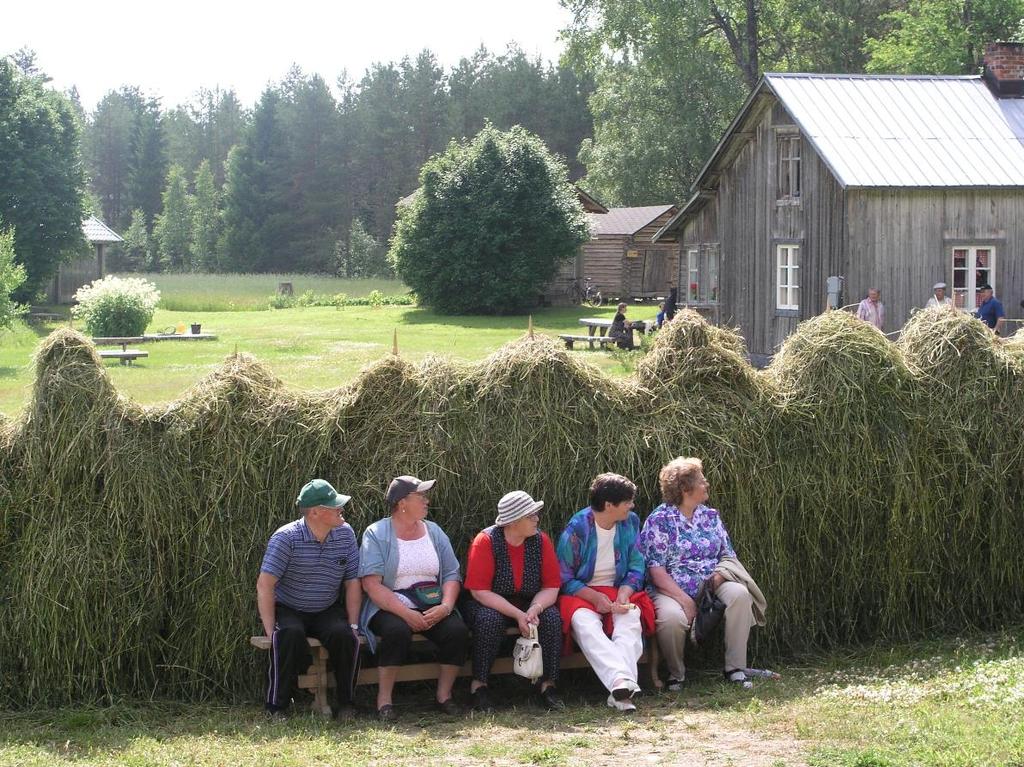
{"x":173,"y":48}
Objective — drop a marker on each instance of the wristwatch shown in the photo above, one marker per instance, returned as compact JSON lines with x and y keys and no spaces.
{"x":354,"y":627}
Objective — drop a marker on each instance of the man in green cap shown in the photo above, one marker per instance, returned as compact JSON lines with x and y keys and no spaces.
{"x":299,"y":592}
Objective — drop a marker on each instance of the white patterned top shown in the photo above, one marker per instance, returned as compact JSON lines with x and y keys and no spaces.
{"x":417,"y":562}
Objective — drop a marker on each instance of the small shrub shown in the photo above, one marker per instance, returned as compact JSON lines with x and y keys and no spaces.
{"x":12,"y":277}
{"x":116,"y":306}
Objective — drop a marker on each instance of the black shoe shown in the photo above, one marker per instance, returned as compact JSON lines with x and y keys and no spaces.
{"x":480,"y":701}
{"x":622,"y":693}
{"x":551,"y":699}
{"x":387,"y":714}
{"x":450,"y":708}
{"x":276,"y":716}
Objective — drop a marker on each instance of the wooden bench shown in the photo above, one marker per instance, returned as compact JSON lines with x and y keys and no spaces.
{"x":318,"y":679}
{"x":126,"y":356}
{"x":45,"y":317}
{"x":571,"y":339}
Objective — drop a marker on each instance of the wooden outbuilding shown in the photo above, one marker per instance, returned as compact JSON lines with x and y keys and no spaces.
{"x":83,"y":270}
{"x":896,"y":182}
{"x":620,"y":258}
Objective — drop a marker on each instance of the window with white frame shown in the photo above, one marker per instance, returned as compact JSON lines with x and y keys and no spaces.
{"x":788,"y":159}
{"x":702,"y":267}
{"x":787,"y":260}
{"x":973,"y":266}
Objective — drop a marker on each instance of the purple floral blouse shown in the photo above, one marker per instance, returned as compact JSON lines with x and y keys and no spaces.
{"x":688,"y":549}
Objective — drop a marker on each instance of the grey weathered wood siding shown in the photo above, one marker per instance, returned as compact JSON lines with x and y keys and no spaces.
{"x":753,"y":222}
{"x":901,"y":241}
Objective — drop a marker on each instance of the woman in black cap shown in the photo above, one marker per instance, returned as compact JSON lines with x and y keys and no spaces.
{"x":513,"y":577}
{"x":411,"y":577}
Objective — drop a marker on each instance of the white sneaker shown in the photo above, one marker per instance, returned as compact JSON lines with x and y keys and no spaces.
{"x":625,"y":706}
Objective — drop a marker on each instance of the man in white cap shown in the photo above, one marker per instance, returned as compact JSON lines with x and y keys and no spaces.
{"x":298,"y":590}
{"x":938,"y":297}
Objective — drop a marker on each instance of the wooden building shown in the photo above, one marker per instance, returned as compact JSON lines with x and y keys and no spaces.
{"x":620,"y":257}
{"x":83,"y":270}
{"x":895,"y":182}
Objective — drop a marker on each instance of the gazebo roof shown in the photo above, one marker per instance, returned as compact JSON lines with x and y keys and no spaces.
{"x":96,"y":231}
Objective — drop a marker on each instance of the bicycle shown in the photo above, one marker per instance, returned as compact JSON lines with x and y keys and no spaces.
{"x":585,"y":294}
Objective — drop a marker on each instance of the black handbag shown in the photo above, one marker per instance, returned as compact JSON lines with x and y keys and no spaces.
{"x":710,"y":611}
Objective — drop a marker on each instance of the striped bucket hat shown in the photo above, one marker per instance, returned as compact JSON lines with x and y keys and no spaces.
{"x":516,"y":505}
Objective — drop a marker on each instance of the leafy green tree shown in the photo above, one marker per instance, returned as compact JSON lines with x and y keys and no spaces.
{"x":12,"y":277}
{"x":41,"y":179}
{"x":495,"y":218}
{"x":363,"y":255}
{"x":205,"y":219}
{"x":942,"y":36}
{"x":173,"y":229}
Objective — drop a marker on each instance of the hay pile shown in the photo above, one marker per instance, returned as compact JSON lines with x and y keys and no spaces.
{"x":873,"y":489}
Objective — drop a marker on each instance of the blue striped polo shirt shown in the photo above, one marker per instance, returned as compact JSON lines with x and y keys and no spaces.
{"x":310,"y":573}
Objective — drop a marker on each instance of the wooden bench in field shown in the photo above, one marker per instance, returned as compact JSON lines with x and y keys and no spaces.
{"x":571,"y":339}
{"x":318,"y":678}
{"x":126,"y":356}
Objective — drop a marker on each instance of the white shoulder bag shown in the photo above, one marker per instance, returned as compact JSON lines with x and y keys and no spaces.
{"x":527,"y":659}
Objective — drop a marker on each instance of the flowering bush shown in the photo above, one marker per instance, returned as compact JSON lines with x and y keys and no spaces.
{"x":116,"y":306}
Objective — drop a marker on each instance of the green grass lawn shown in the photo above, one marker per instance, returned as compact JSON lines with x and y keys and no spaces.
{"x":246,"y":292}
{"x":948,"y":703}
{"x":310,"y":348}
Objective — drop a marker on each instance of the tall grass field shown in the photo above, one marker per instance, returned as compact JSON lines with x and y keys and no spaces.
{"x":252,"y":292}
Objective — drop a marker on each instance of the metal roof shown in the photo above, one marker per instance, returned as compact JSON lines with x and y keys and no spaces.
{"x":907,"y":131}
{"x":625,"y":220}
{"x":96,"y":231}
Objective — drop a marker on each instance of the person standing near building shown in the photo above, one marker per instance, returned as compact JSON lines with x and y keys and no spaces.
{"x":990,"y":310}
{"x":871,"y":309}
{"x":938,"y":297}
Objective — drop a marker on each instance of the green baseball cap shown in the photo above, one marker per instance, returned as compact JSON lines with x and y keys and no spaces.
{"x":320,"y":492}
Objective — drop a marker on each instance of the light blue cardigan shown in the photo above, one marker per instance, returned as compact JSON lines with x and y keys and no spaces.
{"x":378,"y":555}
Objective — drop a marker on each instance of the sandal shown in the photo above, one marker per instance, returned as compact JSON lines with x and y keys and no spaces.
{"x":387,"y":714}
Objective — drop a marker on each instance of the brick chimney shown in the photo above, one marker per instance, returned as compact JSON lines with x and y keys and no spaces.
{"x":1004,"y":69}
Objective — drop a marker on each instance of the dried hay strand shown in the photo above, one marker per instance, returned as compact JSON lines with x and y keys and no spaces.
{"x":970,"y":465}
{"x":863,"y":483}
{"x":843,"y":405}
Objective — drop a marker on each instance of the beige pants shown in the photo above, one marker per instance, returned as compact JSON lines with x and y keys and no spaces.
{"x":671,"y":628}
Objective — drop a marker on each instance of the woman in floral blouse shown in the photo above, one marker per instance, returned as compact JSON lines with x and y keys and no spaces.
{"x":684,"y":542}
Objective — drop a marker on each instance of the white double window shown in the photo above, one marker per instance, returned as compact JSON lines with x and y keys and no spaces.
{"x":787,"y":271}
{"x":973,"y":266}
{"x":702,"y":270}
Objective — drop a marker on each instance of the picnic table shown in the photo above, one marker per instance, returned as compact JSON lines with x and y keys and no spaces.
{"x":180,"y":337}
{"x":596,"y":323}
{"x":126,"y":356}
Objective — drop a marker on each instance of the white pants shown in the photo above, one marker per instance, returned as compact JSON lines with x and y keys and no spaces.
{"x":671,"y":627}
{"x":613,"y":660}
